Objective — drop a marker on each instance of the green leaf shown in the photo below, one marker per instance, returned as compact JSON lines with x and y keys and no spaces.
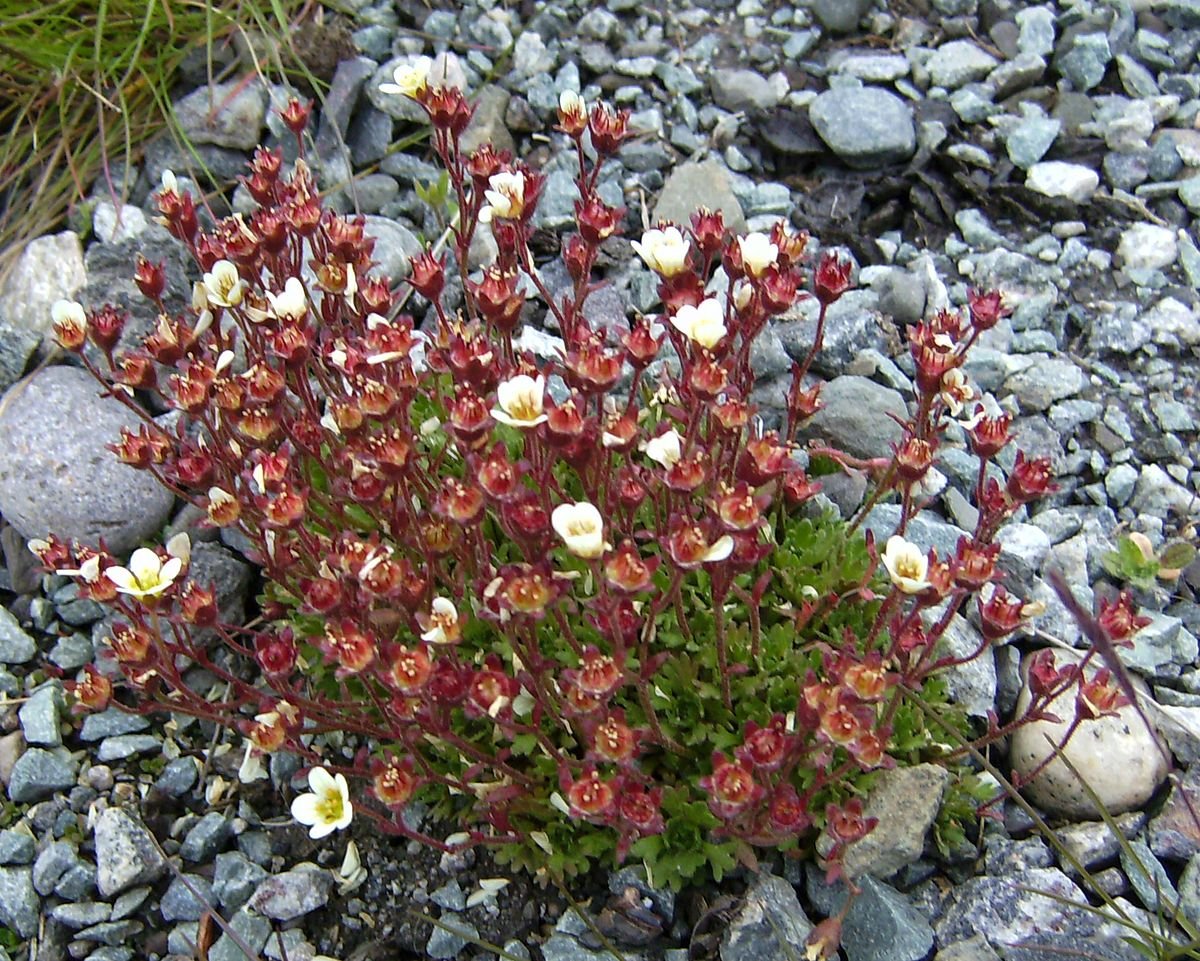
{"x":1177,"y":555}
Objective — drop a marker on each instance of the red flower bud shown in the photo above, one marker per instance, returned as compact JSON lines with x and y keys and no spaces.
{"x":986,"y":309}
{"x":832,"y":278}
{"x":609,"y":129}
{"x":1030,"y":479}
{"x":708,"y":231}
{"x":428,"y":276}
{"x":295,"y":115}
{"x":1119,"y":618}
{"x":1000,"y":614}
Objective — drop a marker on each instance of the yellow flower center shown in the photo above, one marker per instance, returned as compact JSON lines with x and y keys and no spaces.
{"x":330,"y":807}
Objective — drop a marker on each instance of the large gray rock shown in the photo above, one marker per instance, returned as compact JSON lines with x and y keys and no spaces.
{"x":226,"y":114}
{"x":56,"y":475}
{"x":855,"y":417}
{"x":882,"y":132}
{"x":19,"y":905}
{"x":743,"y":90}
{"x":39,"y":773}
{"x":959,"y":62}
{"x":694,"y":185}
{"x":881,"y":925}
{"x":292,"y":894}
{"x":770,"y":923}
{"x":126,"y":853}
{"x":50,"y":268}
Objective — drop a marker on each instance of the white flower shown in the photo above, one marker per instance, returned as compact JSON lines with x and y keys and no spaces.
{"x":441,"y":627}
{"x":758,"y":253}
{"x":169,"y":182}
{"x":148,"y":574}
{"x":571,"y":104}
{"x":352,"y":872}
{"x":519,"y":401}
{"x":957,"y":391}
{"x":581,"y":528}
{"x":704,"y":324}
{"x":742,"y":292}
{"x":290,"y":304}
{"x":410,"y":79}
{"x":906,"y":565}
{"x":665,"y":449}
{"x":68,"y":312}
{"x":328,"y":808}
{"x":664,"y":251}
{"x":223,"y":286}
{"x":505,"y":197}
{"x":719,"y":549}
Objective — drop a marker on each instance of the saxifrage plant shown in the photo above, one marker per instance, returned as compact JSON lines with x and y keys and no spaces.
{"x":574,"y":603}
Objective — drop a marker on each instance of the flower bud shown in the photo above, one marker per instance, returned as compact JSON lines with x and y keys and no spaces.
{"x":832,"y":278}
{"x":295,"y":115}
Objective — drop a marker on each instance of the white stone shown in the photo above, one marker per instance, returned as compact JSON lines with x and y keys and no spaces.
{"x":1148,"y":247}
{"x":1120,"y":760}
{"x":113,"y":229}
{"x":1056,"y":178}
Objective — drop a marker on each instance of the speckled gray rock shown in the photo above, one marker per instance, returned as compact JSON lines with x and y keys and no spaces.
{"x":16,"y":647}
{"x":906,"y":801}
{"x":1057,"y":178}
{"x":769,"y":923}
{"x":39,"y":716}
{"x":292,"y":894}
{"x":452,"y":934}
{"x":694,"y":185}
{"x":959,"y":62}
{"x":883,"y":132}
{"x":839,"y":16}
{"x":49,"y":269}
{"x":38,"y":773}
{"x":1147,"y":247}
{"x":1046,"y":380}
{"x":56,"y":476}
{"x":855,"y":416}
{"x":741,"y":89}
{"x":181,"y":904}
{"x":19,"y":904}
{"x":235,"y":878}
{"x":126,"y":854}
{"x":253,"y":929}
{"x":226,"y":114}
{"x":881,"y":925}
{"x":206,"y":837}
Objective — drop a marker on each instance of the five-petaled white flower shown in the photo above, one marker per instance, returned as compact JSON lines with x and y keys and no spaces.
{"x":223,"y":286}
{"x":441,"y":626}
{"x":581,"y":528}
{"x":758,"y":253}
{"x":328,"y":808}
{"x":907,"y":566}
{"x":664,"y":251}
{"x":520,"y":401}
{"x":704,"y":324}
{"x":291,"y":303}
{"x":148,"y":575}
{"x":505,"y":197}
{"x":64,"y":313}
{"x":572,"y":104}
{"x":410,"y":79}
{"x":665,"y":449}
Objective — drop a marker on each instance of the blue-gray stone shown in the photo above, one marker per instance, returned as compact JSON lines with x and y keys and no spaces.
{"x":769,"y":923}
{"x":39,"y":716}
{"x":16,"y":847}
{"x":450,"y":936}
{"x":1084,"y":64}
{"x":81,"y":915}
{"x":211,"y":833}
{"x":54,"y":861}
{"x":111,"y":933}
{"x":180,"y":904}
{"x":450,"y":896}
{"x":292,"y":894}
{"x":16,"y":647}
{"x":126,"y":745}
{"x":111,"y":953}
{"x":129,"y":901}
{"x":253,"y":931}
{"x":177,"y":778}
{"x":38,"y":773}
{"x":110,"y":722}
{"x":228,"y":114}
{"x":72,"y":652}
{"x":1029,"y":140}
{"x":78,"y":881}
{"x":19,"y":905}
{"x":881,"y":925}
{"x":126,"y":853}
{"x":883,"y":132}
{"x":235,"y":879}
{"x":1148,"y":878}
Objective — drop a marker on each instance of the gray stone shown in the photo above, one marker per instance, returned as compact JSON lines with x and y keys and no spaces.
{"x":39,"y":773}
{"x":253,"y":929}
{"x":177,"y":777}
{"x":855,"y":416}
{"x":226,"y":114}
{"x":126,"y":853}
{"x":82,"y":915}
{"x":72,"y":652}
{"x":873,"y":67}
{"x":339,"y":102}
{"x":450,"y":936}
{"x":127,"y":745}
{"x":1092,"y":843}
{"x":1057,"y":178}
{"x":1046,"y":380}
{"x":16,"y":647}
{"x":882,"y":134}
{"x":1119,"y":484}
{"x":180,"y":904}
{"x":19,"y":906}
{"x":50,"y":268}
{"x":840,"y":16}
{"x":853,"y":326}
{"x":1147,"y":247}
{"x":1037,"y":30}
{"x":111,"y":933}
{"x":487,"y":124}
{"x":39,"y":716}
{"x":1158,"y":494}
{"x":1165,"y":162}
{"x":530,"y":55}
{"x":110,"y":722}
{"x":1021,"y":72}
{"x":57,"y":476}
{"x":56,"y":859}
{"x":1172,"y":324}
{"x":959,"y":62}
{"x":395,"y":246}
{"x":1148,"y":878}
{"x":1029,"y":140}
{"x":78,"y":881}
{"x":881,"y":925}
{"x":292,"y":894}
{"x":111,"y":227}
{"x":235,"y":878}
{"x":694,"y":185}
{"x":206,"y":837}
{"x":972,"y":684}
{"x":1007,"y":857}
{"x":769,"y":923}
{"x":1175,"y":831}
{"x":1084,"y":64}
{"x":741,"y":89}
{"x":906,"y":801}
{"x":1136,"y":79}
{"x":16,"y":847}
{"x":971,"y":949}
{"x":1161,"y":648}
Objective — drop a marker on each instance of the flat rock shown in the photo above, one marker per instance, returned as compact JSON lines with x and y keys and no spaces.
{"x":56,"y":475}
{"x":769,"y":923}
{"x":1057,"y":178}
{"x":38,"y":774}
{"x":694,"y":185}
{"x":854,"y":418}
{"x":883,"y":132}
{"x":292,"y":894}
{"x":226,"y":114}
{"x":126,"y":854}
{"x":19,"y":905}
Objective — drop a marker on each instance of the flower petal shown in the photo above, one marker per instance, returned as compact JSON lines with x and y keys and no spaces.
{"x":304,"y":808}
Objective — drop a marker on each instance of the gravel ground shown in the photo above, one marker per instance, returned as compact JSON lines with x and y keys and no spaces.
{"x":1050,"y":150}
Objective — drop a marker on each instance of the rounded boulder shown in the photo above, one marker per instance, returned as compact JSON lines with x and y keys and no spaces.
{"x":56,"y":474}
